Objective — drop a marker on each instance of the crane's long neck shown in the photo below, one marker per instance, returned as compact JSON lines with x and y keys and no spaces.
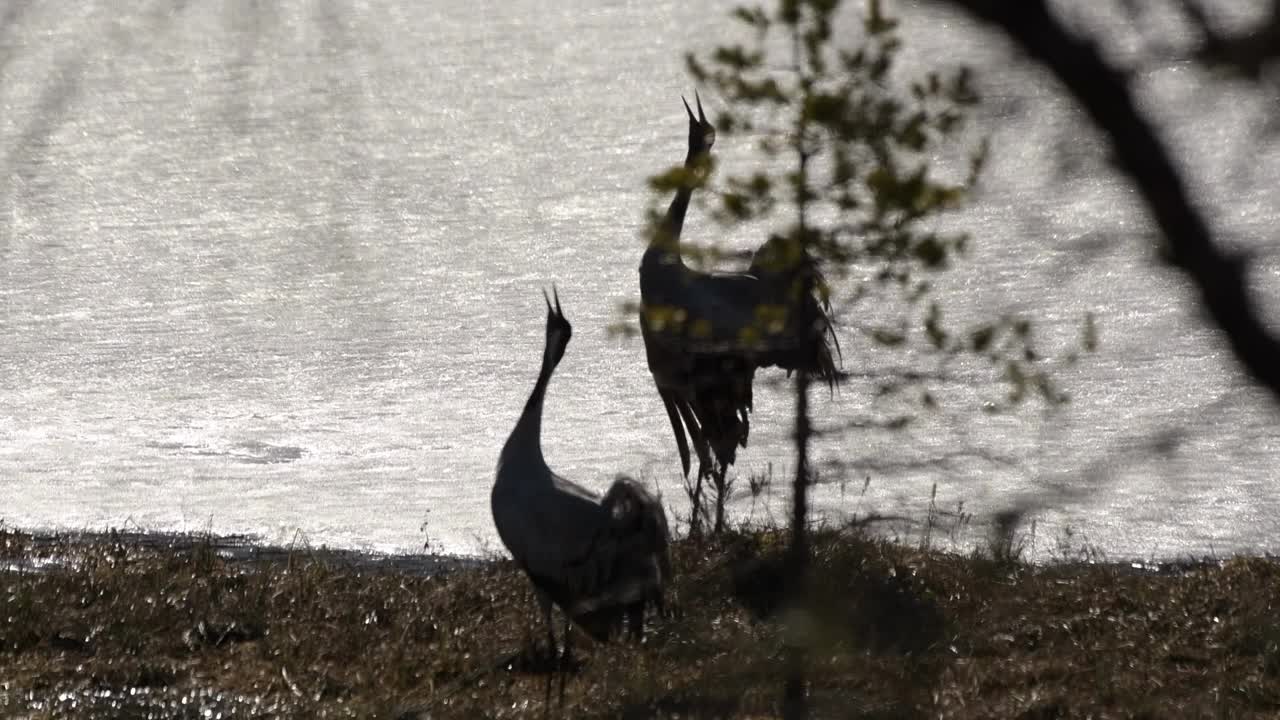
{"x":526,"y":438}
{"x":668,"y":235}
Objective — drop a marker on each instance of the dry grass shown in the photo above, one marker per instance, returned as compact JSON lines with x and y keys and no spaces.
{"x":893,"y":632}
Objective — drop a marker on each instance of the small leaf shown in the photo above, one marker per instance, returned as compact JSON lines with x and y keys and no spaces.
{"x":980,"y":339}
{"x":754,"y":16}
{"x":930,"y":252}
{"x":876,"y":22}
{"x":1018,"y":379}
{"x":735,"y":205}
{"x":933,"y":326}
{"x":888,"y":338}
{"x":623,"y":329}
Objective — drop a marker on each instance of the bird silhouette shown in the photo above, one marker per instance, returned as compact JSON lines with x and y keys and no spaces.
{"x":706,"y":333}
{"x":601,"y":560}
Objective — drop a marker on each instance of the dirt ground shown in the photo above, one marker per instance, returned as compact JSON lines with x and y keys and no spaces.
{"x":107,"y":626}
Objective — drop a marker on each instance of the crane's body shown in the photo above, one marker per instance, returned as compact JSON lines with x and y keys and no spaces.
{"x":601,"y":560}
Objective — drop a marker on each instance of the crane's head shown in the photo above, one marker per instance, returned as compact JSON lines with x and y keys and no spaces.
{"x":701,"y":134}
{"x":558,"y":329}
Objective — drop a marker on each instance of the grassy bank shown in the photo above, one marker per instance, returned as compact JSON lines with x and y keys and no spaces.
{"x":119,"y":628}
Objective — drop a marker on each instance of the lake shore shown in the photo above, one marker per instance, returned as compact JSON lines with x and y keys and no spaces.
{"x":132,"y":625}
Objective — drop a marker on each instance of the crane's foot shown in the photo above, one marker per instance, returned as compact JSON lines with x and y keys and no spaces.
{"x":569,"y":662}
{"x":537,"y":659}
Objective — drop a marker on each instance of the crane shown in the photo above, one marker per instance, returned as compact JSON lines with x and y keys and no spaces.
{"x":601,"y":560}
{"x":706,"y":334}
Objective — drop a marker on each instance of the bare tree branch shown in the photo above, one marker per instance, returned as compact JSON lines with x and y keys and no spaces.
{"x":1246,"y":53}
{"x":952,"y":461}
{"x":1102,"y":92}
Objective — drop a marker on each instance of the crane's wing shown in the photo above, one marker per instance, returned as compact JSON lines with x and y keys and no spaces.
{"x":744,"y":315}
{"x":780,"y":264}
{"x":637,"y":514}
{"x":584,"y":558}
{"x":764,"y":321}
{"x":633,"y":548}
{"x":720,"y":310}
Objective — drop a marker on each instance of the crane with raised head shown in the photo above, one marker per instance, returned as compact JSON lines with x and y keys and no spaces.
{"x":705,"y":334}
{"x":601,"y":560}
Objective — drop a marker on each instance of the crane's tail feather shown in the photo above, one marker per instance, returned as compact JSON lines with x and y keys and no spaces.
{"x":827,"y":367}
{"x":677,"y":426}
{"x":828,"y":362}
{"x":781,"y":272}
{"x":696,"y":433}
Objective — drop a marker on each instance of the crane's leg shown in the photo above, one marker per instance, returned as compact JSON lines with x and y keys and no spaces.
{"x":566,"y":657}
{"x":544,"y":604}
{"x":568,"y":646}
{"x":635,"y":620}
{"x":695,"y":525}
{"x":721,"y":496}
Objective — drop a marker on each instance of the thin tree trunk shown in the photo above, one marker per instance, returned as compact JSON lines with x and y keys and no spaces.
{"x":794,"y":702}
{"x":795,"y":705}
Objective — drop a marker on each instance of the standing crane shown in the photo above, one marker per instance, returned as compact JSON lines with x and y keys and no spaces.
{"x":705,"y":334}
{"x":601,"y":560}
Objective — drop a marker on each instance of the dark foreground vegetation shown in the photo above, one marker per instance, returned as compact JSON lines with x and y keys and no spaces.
{"x":120,"y":628}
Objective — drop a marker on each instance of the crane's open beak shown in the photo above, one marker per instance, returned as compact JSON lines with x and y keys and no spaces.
{"x":701,"y":119}
{"x":556,"y":295}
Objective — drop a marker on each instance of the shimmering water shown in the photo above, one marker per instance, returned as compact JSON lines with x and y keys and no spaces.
{"x":275,"y":268}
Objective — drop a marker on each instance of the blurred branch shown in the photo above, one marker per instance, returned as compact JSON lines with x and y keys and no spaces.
{"x":1246,"y":53}
{"x":1102,"y":92}
{"x":899,"y":376}
{"x":948,"y":461}
{"x":1163,"y":439}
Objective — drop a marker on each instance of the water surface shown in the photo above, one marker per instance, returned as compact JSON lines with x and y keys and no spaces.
{"x":276,"y":269}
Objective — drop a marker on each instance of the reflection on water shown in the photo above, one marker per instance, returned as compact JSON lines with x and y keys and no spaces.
{"x":250,"y":451}
{"x":273,"y":268}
